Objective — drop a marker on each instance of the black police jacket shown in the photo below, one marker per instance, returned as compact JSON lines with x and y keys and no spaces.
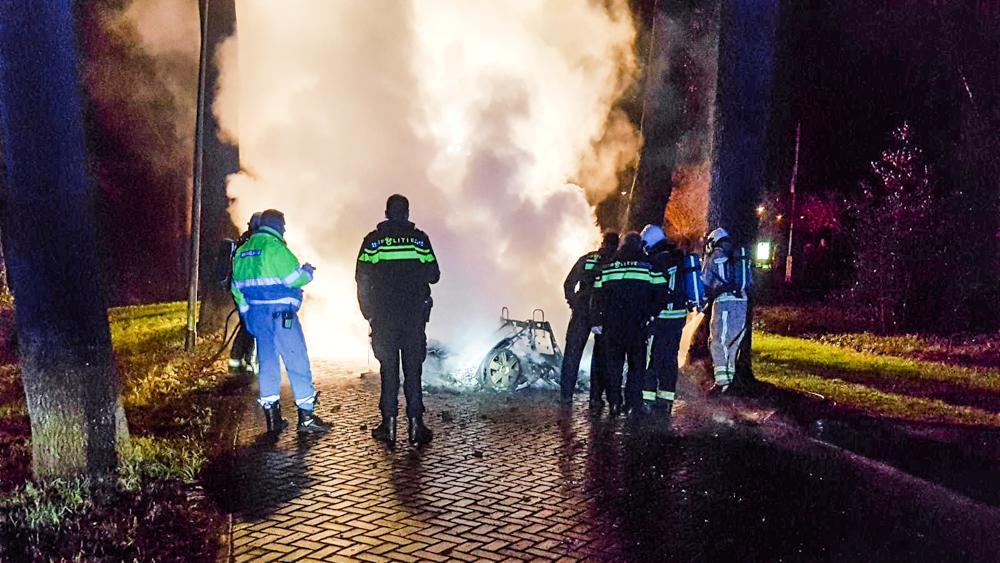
{"x":626,"y":295}
{"x":668,"y":260}
{"x":579,"y":284}
{"x":395,"y":269}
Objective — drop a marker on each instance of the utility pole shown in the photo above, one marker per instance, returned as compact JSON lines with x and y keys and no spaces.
{"x":191,"y":336}
{"x":626,"y":215}
{"x":791,"y":214}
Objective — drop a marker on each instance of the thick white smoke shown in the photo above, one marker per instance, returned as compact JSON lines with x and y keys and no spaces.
{"x":480,"y":112}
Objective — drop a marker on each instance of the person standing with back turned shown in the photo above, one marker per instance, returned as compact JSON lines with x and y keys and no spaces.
{"x":579,"y":289}
{"x":626,"y":298}
{"x":396,"y":267}
{"x":267,"y":287}
{"x":727,"y":275}
{"x":660,"y":384}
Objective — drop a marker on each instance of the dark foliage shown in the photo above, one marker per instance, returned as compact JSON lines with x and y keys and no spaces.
{"x":894,"y":234}
{"x":161,"y":521}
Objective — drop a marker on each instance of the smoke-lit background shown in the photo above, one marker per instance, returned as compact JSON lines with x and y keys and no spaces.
{"x":481,"y":113}
{"x":514,"y":129}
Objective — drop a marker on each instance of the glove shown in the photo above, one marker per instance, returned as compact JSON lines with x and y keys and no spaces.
{"x":597,"y":330}
{"x":307,"y":267}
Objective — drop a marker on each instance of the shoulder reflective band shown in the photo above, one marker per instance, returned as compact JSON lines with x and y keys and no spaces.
{"x":397,"y":252}
{"x":591,"y":262}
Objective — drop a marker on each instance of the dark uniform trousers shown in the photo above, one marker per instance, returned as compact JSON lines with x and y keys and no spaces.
{"x":576,"y":339}
{"x":619,"y":350}
{"x":393,"y":341}
{"x":598,"y":369}
{"x":661,"y":375}
{"x":243,"y":344}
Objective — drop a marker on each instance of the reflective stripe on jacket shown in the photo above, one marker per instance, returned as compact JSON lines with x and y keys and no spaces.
{"x":668,"y":260}
{"x":395,"y":269}
{"x":627,"y":295}
{"x":579,"y":284}
{"x":265,"y":272}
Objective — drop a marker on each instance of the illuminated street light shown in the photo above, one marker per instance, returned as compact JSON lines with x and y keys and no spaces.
{"x":760,"y":210}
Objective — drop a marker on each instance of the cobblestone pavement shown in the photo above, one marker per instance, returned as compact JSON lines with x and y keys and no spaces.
{"x":519,"y":478}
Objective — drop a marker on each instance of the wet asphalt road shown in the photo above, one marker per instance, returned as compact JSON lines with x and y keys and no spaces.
{"x":522,"y":478}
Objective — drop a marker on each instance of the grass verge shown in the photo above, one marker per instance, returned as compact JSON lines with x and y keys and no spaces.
{"x":154,"y":509}
{"x":878,"y":384}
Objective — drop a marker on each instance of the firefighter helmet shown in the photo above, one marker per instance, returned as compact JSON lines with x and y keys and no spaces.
{"x":652,"y":235}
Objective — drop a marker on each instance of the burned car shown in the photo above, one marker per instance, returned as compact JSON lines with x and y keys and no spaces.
{"x":526,"y":355}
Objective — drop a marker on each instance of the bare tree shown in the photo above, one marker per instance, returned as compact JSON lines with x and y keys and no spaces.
{"x":64,"y":341}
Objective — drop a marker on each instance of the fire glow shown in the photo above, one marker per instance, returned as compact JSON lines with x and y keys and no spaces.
{"x":486,"y":115}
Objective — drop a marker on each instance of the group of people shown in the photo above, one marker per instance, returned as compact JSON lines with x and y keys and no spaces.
{"x":634,"y":295}
{"x":395,"y":268}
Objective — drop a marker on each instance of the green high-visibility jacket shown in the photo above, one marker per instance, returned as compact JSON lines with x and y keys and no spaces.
{"x":265,"y":272}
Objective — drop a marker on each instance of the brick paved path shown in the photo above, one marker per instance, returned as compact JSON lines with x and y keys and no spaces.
{"x":520,"y":479}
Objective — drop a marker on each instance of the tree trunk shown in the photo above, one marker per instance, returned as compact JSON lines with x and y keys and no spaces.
{"x":678,"y":82}
{"x":64,"y":342}
{"x":221,"y":160}
{"x":742,"y":117}
{"x":659,"y":130}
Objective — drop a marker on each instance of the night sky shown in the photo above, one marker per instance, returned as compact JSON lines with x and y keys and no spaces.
{"x":852,"y":70}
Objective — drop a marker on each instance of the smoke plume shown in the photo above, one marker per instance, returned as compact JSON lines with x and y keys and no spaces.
{"x":481,"y":113}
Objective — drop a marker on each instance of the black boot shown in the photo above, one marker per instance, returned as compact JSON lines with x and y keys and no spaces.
{"x":272,"y":415}
{"x":419,"y":434}
{"x":667,"y":409}
{"x":310,"y":422}
{"x":386,"y":431}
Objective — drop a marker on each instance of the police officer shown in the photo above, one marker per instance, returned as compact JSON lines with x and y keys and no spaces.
{"x":626,"y":297}
{"x":721,"y":273}
{"x":660,"y":383}
{"x":267,"y":286}
{"x":578,"y":288}
{"x":396,"y":267}
{"x":241,"y":353}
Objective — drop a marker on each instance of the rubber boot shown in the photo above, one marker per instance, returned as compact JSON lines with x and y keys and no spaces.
{"x":667,"y":408}
{"x":386,"y":431}
{"x":310,"y":422}
{"x":418,"y":433}
{"x":272,"y":416}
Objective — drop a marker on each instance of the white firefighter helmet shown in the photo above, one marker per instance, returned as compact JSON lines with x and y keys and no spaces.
{"x":651,"y":235}
{"x":715,"y":236}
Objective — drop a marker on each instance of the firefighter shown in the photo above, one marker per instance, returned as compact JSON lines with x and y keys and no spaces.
{"x":267,"y":286}
{"x":727,"y":277}
{"x":241,"y":353}
{"x":396,"y":267}
{"x":625,"y":299}
{"x":578,"y":288}
{"x":660,"y":383}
